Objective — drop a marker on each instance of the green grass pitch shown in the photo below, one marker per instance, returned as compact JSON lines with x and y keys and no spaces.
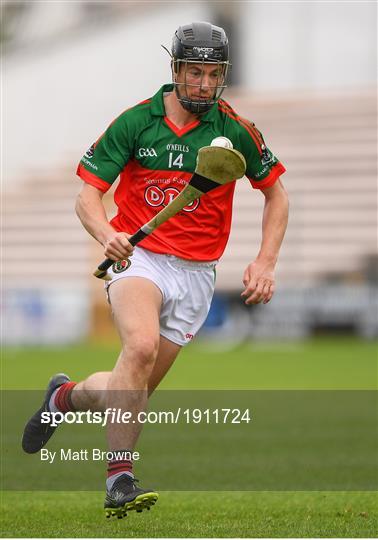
{"x":343,"y":363}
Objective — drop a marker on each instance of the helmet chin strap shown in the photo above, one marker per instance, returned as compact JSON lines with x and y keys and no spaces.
{"x":195,"y":107}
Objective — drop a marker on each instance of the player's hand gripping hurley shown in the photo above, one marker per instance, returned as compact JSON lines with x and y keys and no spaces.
{"x":216,"y":166}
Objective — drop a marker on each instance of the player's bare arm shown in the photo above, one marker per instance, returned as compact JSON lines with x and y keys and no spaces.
{"x":258,"y":277}
{"x":91,"y":212}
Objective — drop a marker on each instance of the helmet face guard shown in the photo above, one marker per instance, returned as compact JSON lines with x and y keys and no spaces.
{"x":199,"y":43}
{"x":198,"y":106}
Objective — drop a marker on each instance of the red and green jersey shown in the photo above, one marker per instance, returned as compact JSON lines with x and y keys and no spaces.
{"x":155,"y":160}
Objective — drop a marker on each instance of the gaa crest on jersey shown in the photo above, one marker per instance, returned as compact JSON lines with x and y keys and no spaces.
{"x":89,"y":153}
{"x":266,"y":156}
{"x":121,"y":266}
{"x":147,"y":152}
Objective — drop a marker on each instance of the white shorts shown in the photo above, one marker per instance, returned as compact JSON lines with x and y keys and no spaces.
{"x":187,"y":288}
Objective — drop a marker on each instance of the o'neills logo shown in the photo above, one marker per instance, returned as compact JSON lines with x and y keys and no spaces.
{"x":120,"y":266}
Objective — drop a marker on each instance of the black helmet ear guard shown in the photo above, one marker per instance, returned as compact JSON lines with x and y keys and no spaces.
{"x":199,"y":43}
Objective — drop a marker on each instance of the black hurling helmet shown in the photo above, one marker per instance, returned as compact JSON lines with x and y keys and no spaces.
{"x":199,"y":43}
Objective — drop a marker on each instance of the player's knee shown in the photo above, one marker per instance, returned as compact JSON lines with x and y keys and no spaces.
{"x":143,"y":351}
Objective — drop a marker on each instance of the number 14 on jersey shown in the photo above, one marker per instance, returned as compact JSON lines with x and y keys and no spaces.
{"x":177,"y":162}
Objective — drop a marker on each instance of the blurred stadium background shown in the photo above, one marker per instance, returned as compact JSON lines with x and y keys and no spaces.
{"x":304,"y":72}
